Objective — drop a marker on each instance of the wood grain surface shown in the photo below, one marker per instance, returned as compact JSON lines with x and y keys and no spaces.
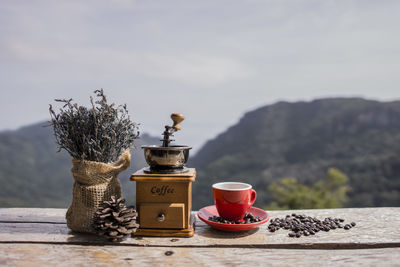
{"x":73,"y":255}
{"x":40,"y":235}
{"x":376,"y":228}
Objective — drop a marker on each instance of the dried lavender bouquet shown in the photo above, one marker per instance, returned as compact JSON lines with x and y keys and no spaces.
{"x":99,"y":134}
{"x":98,"y":139}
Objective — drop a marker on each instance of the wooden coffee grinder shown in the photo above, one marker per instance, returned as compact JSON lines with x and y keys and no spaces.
{"x":164,"y":189}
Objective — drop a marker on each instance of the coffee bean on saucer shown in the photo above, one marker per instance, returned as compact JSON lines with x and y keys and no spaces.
{"x":249,"y":218}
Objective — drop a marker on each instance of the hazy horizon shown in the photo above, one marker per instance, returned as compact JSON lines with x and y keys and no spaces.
{"x":210,"y":60}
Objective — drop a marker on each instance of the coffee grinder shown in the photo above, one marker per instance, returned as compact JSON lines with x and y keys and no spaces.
{"x":164,"y":189}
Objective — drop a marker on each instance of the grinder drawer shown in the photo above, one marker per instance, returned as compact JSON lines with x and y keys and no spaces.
{"x":162,"y":215}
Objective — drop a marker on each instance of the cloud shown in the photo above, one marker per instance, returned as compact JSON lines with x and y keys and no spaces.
{"x":221,"y":57}
{"x":187,"y":68}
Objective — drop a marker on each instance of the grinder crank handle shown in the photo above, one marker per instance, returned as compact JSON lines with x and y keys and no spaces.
{"x":177,"y":118}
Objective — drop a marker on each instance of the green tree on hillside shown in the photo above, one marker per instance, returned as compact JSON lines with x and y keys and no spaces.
{"x":330,"y":192}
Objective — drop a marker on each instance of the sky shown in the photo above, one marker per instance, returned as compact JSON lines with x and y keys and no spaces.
{"x":210,"y":60}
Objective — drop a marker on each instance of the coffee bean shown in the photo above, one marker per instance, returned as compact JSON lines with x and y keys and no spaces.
{"x":300,"y":224}
{"x":353,"y":224}
{"x":249,"y":218}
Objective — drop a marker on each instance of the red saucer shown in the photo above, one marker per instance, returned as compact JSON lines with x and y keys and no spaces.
{"x":210,"y":211}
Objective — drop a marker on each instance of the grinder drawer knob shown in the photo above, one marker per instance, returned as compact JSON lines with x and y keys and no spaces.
{"x":161,"y":217}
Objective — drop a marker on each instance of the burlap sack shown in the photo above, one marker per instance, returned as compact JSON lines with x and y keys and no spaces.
{"x":94,"y":182}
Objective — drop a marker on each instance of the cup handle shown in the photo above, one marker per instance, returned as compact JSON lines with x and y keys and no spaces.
{"x":253,"y":196}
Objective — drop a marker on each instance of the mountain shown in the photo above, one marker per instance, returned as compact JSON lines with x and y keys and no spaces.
{"x":303,"y":139}
{"x":34,"y":174}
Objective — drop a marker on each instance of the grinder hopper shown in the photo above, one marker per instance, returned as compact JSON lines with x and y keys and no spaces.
{"x":166,"y":158}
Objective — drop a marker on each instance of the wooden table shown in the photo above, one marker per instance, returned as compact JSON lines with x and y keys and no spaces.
{"x":40,"y":237}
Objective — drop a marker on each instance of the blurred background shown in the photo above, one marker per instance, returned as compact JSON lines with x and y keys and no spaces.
{"x":298,"y":98}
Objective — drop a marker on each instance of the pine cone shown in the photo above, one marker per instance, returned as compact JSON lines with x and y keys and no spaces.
{"x":115,"y":220}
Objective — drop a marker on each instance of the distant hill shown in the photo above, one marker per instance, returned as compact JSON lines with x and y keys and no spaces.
{"x":302,"y":140}
{"x":33,"y":174}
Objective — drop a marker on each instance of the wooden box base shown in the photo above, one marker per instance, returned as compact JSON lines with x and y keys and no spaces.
{"x":189,"y":232}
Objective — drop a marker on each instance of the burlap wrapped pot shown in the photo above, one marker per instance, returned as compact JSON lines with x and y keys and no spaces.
{"x":94,"y":182}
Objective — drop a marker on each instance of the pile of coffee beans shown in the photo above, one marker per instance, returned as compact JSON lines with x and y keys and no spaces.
{"x":300,"y":224}
{"x":248,"y":218}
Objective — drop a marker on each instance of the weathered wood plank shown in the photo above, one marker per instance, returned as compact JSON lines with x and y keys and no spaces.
{"x":32,"y":215}
{"x":376,"y":227}
{"x":72,"y":255}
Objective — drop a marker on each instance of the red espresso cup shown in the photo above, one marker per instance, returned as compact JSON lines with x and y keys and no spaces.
{"x":233,"y":199}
